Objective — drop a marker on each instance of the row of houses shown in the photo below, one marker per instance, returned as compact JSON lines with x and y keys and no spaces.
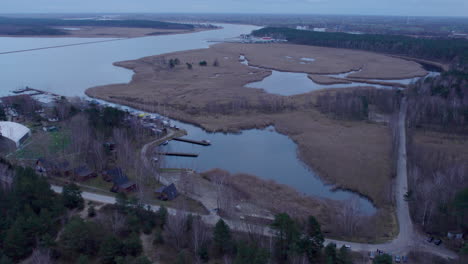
{"x":83,"y":173}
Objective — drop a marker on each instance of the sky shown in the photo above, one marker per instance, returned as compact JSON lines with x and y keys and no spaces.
{"x":355,"y":7}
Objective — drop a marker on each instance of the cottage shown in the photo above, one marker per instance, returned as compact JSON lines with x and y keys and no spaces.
{"x":62,"y":168}
{"x":44,"y":166}
{"x":167,"y":192}
{"x":120,"y":181}
{"x":83,"y":173}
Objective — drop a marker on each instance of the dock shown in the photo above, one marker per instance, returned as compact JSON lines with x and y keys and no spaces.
{"x":179,"y":154}
{"x":197,"y":142}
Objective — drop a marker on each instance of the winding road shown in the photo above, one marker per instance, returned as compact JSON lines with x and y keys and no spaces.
{"x":408,"y":239}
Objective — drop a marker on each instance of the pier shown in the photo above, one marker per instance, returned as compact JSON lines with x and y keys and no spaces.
{"x":179,"y":154}
{"x":197,"y":142}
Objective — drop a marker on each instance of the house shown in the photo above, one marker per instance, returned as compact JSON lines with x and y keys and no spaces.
{"x":83,"y":173}
{"x":167,"y":192}
{"x":62,"y":168}
{"x":44,"y":166}
{"x":120,"y":181}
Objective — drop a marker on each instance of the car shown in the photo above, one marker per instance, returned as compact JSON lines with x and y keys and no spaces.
{"x":437,"y":242}
{"x":404,"y":258}
{"x":347,"y":246}
{"x":429,"y":239}
{"x":397,"y":259}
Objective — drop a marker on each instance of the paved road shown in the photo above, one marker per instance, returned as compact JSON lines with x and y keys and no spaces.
{"x":407,"y":240}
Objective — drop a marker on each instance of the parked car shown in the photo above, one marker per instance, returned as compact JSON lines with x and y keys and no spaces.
{"x":430,"y":239}
{"x":437,"y":242}
{"x":404,"y":258}
{"x":397,"y":259}
{"x":347,"y":246}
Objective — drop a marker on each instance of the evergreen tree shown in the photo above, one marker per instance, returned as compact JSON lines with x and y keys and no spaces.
{"x":312,"y":243}
{"x":110,"y":249}
{"x":142,"y":260}
{"x":5,"y":260}
{"x":80,"y":237}
{"x":2,"y":113}
{"x":383,"y":259}
{"x":330,"y":253}
{"x":343,"y":256}
{"x":91,"y":211}
{"x":161,"y":215}
{"x":287,"y":236}
{"x":250,"y":254}
{"x":82,"y":259}
{"x":17,"y":244}
{"x":132,"y":245}
{"x":222,"y":237}
{"x":71,"y":196}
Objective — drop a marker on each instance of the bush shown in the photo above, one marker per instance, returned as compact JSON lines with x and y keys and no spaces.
{"x":203,"y":63}
{"x":71,"y":195}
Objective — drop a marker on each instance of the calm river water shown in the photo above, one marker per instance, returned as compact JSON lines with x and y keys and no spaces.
{"x":71,"y":70}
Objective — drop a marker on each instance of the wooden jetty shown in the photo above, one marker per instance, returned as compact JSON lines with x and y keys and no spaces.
{"x":198,"y":142}
{"x":179,"y":154}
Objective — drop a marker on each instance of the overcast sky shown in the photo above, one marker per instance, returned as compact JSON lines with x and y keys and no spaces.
{"x":364,"y":7}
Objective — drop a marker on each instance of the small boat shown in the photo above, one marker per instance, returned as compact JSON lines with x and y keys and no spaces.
{"x":207,"y":142}
{"x":165,"y":143}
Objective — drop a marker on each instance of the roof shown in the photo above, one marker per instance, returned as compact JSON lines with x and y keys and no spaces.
{"x":118,"y":177}
{"x":170,"y":191}
{"x":83,"y":171}
{"x":13,"y":131}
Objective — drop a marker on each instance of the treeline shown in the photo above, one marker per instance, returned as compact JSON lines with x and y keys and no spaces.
{"x":49,"y":22}
{"x":45,"y":26}
{"x":438,"y":185}
{"x":440,"y":103}
{"x":446,"y":50}
{"x":31,"y":213}
{"x":357,"y":104}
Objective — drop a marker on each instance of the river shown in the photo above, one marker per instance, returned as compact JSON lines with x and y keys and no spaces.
{"x":71,"y":70}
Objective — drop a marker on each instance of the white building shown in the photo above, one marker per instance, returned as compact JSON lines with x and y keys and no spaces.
{"x":15,"y":132}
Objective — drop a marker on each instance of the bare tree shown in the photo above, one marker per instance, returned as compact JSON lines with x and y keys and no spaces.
{"x":125,"y":152}
{"x":199,"y":237}
{"x":351,"y":216}
{"x":80,"y":135}
{"x":115,"y":221}
{"x":41,"y":256}
{"x":176,"y":229}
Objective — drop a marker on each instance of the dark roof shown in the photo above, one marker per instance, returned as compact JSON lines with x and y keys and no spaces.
{"x":118,"y":177}
{"x":127,"y":185}
{"x":82,"y":171}
{"x":63,"y":165}
{"x":170,"y":191}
